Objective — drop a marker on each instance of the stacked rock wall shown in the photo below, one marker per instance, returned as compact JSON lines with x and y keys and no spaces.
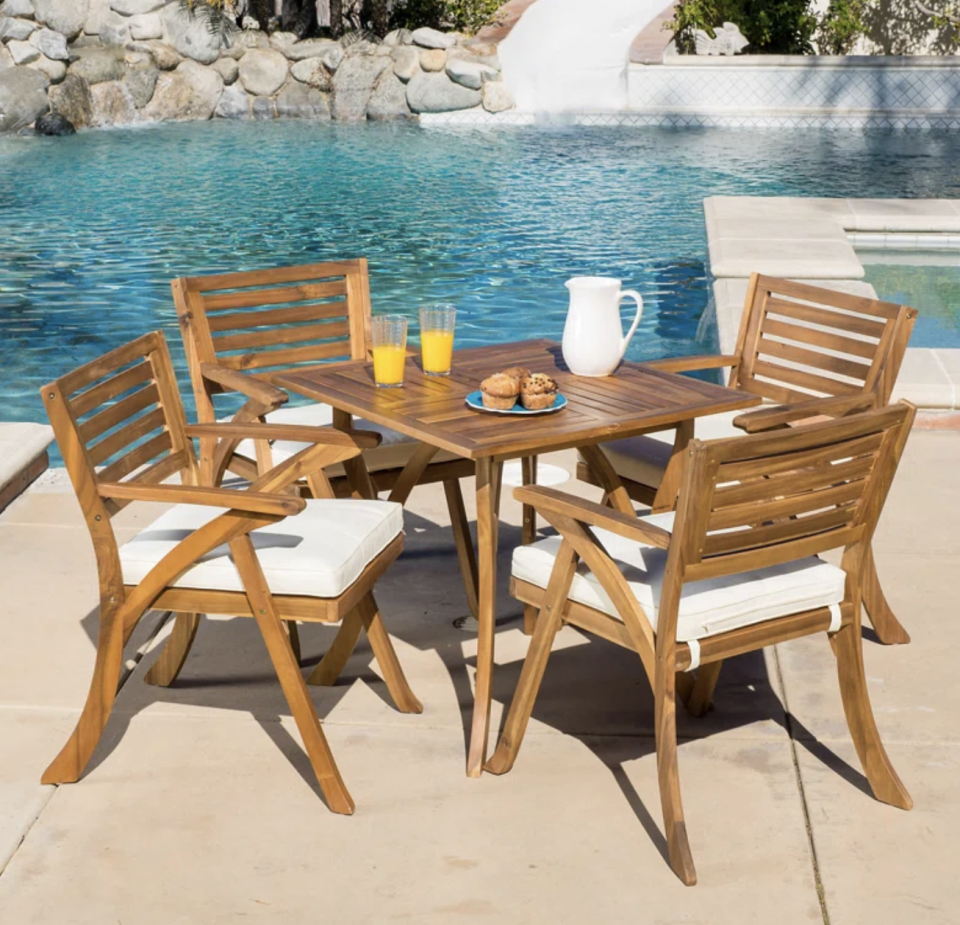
{"x":104,"y":63}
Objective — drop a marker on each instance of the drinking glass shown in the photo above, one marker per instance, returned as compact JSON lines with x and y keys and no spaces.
{"x":389,"y":350}
{"x":436,"y":338}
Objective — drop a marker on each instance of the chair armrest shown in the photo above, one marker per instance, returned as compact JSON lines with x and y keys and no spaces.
{"x":236,"y":381}
{"x":754,"y":422}
{"x":548,"y":501}
{"x":253,"y":502}
{"x":689,"y":364}
{"x":300,"y":433}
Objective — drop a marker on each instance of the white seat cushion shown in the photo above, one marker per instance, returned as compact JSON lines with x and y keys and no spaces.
{"x":394,"y":451}
{"x":643,"y":459}
{"x":317,"y":553}
{"x":707,"y":608}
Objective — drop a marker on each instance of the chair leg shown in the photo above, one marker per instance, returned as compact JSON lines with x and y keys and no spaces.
{"x":386,"y":657}
{"x":294,"y":635}
{"x":547,"y":624}
{"x":165,"y":669}
{"x":889,"y":629}
{"x":291,"y":680}
{"x":668,"y":774}
{"x":886,"y":785}
{"x":528,"y":467}
{"x":700,"y":697}
{"x":75,"y":755}
{"x":336,"y":657}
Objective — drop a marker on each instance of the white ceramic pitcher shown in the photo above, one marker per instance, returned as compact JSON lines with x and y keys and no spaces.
{"x":593,"y":341}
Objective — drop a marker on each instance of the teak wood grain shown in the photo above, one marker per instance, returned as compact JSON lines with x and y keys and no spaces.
{"x":432,"y":410}
{"x":124,"y":410}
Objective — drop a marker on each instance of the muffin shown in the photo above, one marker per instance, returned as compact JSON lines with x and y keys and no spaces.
{"x":537,"y":392}
{"x":517,"y":372}
{"x":500,"y":392}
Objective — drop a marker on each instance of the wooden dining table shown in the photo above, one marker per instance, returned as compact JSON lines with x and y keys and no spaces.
{"x":430,"y":409}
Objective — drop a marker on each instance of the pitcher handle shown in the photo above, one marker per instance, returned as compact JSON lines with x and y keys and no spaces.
{"x":629,"y":293}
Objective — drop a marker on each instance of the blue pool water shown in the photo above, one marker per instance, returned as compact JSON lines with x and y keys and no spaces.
{"x":92,"y":228}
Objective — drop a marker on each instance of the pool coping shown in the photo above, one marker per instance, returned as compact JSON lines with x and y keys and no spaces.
{"x":23,"y":457}
{"x":811,"y":239}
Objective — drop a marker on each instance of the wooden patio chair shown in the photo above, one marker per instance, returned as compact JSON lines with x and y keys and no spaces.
{"x":120,"y":425}
{"x":734,"y":569}
{"x":241,"y":329}
{"x":811,"y":351}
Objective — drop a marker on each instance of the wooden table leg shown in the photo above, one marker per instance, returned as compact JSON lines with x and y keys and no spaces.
{"x":355,"y":469}
{"x":488,"y":491}
{"x":463,"y":542}
{"x":529,"y":535}
{"x":666,"y":498}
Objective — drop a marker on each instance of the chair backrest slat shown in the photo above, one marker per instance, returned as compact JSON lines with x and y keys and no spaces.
{"x":775,"y":494}
{"x":799,"y":342}
{"x":267,"y":321}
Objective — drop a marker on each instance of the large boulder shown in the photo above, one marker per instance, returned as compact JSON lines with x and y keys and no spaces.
{"x":228,"y":69}
{"x":431,"y":38}
{"x":97,"y":65}
{"x":312,"y":72}
{"x":18,"y":30}
{"x":147,"y":26}
{"x":23,"y":97}
{"x":263,"y":71}
{"x":66,"y":16}
{"x":188,"y":94}
{"x":52,"y":123}
{"x":23,"y":52}
{"x":469,"y":73}
{"x":234,"y":103}
{"x":6,"y":59}
{"x":17,"y":8}
{"x":406,"y":62}
{"x":115,"y":29}
{"x":433,"y":60}
{"x":136,"y":7}
{"x":50,"y":43}
{"x":263,"y":108}
{"x":165,"y":56}
{"x":353,"y":84}
{"x":73,"y":100}
{"x":388,"y":102}
{"x":189,"y":34}
{"x":437,"y":93}
{"x":316,"y":48}
{"x":112,"y":104}
{"x":496,"y":97}
{"x":98,"y":9}
{"x":54,"y":71}
{"x":297,"y":101}
{"x":141,"y":82}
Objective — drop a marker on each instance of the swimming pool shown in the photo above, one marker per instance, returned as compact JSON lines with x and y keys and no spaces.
{"x":93,"y":227}
{"x":928,"y":281}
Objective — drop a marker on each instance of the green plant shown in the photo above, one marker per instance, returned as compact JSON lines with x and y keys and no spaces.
{"x":784,"y":27}
{"x":947,"y":17}
{"x":216,"y":14}
{"x":841,"y":26}
{"x":463,"y":15}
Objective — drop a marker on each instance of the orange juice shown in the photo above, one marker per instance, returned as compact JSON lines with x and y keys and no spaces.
{"x":437,"y":350}
{"x":388,"y":360}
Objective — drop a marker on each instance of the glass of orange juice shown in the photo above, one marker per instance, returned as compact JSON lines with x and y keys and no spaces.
{"x":389,"y":350}
{"x":436,"y":338}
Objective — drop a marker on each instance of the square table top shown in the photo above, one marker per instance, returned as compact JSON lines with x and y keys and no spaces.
{"x":432,"y":409}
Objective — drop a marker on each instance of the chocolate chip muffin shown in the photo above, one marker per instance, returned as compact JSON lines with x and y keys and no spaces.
{"x":538,"y":391}
{"x":500,"y":391}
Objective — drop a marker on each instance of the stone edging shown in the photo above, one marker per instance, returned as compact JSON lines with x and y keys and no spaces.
{"x":808,"y":239}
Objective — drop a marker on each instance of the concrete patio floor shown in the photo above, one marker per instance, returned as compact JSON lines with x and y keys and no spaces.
{"x":200,"y":807}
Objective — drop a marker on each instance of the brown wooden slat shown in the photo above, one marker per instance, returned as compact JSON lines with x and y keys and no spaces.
{"x":106,"y":365}
{"x":136,"y":458}
{"x":110,"y":388}
{"x":821,"y":361}
{"x":286,"y":357}
{"x":824,"y":339}
{"x":857,"y":324}
{"x":803,"y":379}
{"x":252,"y":298}
{"x":294,"y":335}
{"x":805,"y":459}
{"x":271,"y":277}
{"x":783,"y":485}
{"x":841,"y":300}
{"x":127,"y":407}
{"x":132,"y":432}
{"x":725,"y":543}
{"x":765,"y":509}
{"x":242,"y":321}
{"x":155,"y":474}
{"x":774,"y":391}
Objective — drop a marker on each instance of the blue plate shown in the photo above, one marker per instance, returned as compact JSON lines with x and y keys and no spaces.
{"x":475,"y":401}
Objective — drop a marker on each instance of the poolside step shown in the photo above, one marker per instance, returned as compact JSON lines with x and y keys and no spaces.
{"x":23,"y":457}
